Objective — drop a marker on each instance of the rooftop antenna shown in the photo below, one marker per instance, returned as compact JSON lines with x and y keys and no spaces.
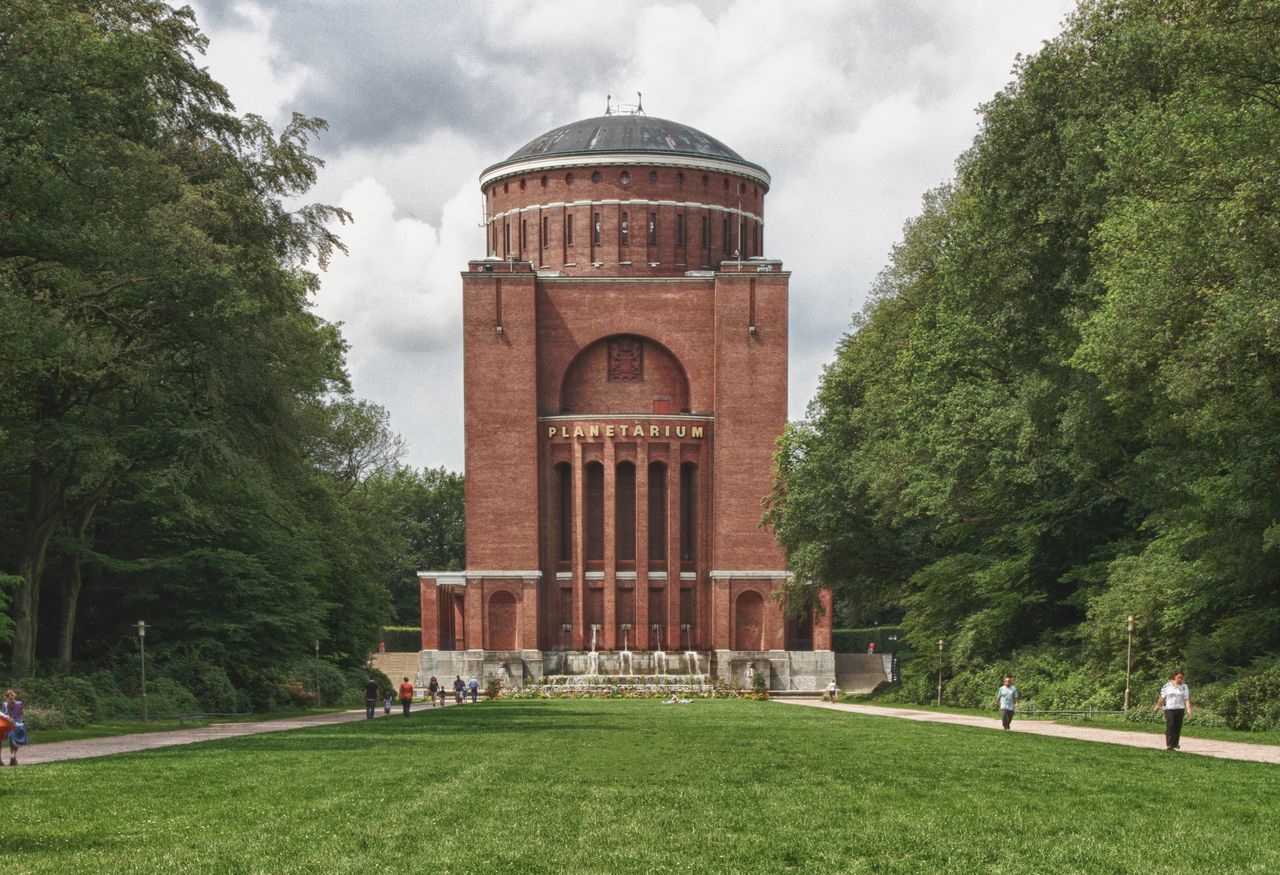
{"x":608,"y":104}
{"x":639,"y":103}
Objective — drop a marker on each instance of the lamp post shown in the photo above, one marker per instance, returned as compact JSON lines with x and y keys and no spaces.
{"x":142,"y":661}
{"x":1128,"y":665}
{"x":940,"y":643}
{"x":317,"y":674}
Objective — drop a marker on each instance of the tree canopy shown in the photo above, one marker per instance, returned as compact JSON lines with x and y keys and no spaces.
{"x":178,"y":437}
{"x":1062,"y":404}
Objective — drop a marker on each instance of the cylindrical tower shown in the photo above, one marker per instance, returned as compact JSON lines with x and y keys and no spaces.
{"x":624,"y":195}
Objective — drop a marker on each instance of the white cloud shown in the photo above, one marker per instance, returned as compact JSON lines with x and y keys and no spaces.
{"x":855,"y":109}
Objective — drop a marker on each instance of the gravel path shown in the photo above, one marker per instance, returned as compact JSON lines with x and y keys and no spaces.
{"x":58,"y":751}
{"x":1227,"y":750}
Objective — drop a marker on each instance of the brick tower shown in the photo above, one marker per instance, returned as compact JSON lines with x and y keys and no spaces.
{"x":625,"y":348}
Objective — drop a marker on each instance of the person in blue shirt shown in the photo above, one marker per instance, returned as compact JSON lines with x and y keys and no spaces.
{"x":474,"y":684}
{"x":1007,"y":699}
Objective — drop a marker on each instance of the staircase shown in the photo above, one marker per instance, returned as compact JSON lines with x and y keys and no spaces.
{"x":398,"y":666}
{"x":860,"y":673}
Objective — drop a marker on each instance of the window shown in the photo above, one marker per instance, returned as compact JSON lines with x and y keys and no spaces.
{"x":595,"y":177}
{"x":524,"y":235}
{"x":755,"y":239}
{"x":542,"y":242}
{"x":522,"y":185}
{"x":568,"y":179}
{"x":568,"y":230}
{"x":625,"y":178}
{"x":679,"y":229}
{"x":706,"y":233}
{"x":624,"y":230}
{"x":724,"y":234}
{"x":506,"y":238}
{"x":653,"y":176}
{"x":657,"y":512}
{"x":653,"y":229}
{"x":544,"y":181}
{"x":680,"y":177}
{"x":595,"y":233}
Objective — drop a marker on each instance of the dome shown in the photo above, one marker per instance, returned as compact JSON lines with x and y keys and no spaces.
{"x":638,"y":137}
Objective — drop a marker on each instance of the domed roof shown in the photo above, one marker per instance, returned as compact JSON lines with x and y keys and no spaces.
{"x":624,"y":134}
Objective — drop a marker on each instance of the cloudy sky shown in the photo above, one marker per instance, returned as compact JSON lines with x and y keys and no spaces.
{"x":845,"y":102}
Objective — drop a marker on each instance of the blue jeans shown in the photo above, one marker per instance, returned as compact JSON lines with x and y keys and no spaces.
{"x":369,"y":705}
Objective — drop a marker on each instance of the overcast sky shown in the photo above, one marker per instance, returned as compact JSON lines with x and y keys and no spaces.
{"x":864,"y":105}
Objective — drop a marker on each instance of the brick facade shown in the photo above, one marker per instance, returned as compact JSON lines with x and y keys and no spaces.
{"x":624,"y":390}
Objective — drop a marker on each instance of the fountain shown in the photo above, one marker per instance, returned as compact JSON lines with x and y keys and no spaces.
{"x":625,"y":665}
{"x":659,"y":656}
{"x":593,"y":658}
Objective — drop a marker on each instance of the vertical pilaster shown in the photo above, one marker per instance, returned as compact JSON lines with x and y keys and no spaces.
{"x":823,"y":621}
{"x":473,"y":636}
{"x":673,"y":555}
{"x":429,"y":600}
{"x":579,"y":551}
{"x":610,"y":549}
{"x":642,"y":633}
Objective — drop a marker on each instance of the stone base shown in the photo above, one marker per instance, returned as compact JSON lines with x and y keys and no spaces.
{"x":787,"y":670}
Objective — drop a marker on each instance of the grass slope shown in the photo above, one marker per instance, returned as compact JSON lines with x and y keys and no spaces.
{"x":637,"y":786}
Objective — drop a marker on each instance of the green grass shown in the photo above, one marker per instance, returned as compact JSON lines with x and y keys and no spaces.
{"x":637,"y":786}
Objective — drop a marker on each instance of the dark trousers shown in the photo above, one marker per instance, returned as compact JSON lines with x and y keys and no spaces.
{"x":474,"y":690}
{"x":369,"y":705}
{"x":1173,"y":726}
{"x":406,"y":703}
{"x":1006,"y":717}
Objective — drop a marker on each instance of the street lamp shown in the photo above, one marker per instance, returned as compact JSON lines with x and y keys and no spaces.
{"x":1128,"y":665}
{"x":142,"y":657}
{"x":317,"y":674}
{"x":940,"y":643}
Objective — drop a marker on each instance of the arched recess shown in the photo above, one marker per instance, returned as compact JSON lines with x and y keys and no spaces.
{"x":593,"y":513}
{"x":502,"y":619}
{"x":748,"y":621}
{"x":625,"y":374}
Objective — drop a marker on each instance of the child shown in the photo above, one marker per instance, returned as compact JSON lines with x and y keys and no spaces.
{"x":386,"y":705}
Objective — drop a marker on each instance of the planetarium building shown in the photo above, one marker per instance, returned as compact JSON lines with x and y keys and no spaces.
{"x":625,"y":344}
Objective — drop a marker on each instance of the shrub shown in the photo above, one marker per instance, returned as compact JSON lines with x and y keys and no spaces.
{"x":58,"y":702}
{"x":167,"y":696}
{"x":492,"y":687}
{"x":1252,"y":702}
{"x":207,"y":682}
{"x":402,"y":639}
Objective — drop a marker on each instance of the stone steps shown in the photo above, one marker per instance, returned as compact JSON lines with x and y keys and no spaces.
{"x":398,"y":666}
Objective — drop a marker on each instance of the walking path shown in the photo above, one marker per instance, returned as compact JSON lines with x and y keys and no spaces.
{"x":1227,"y":750}
{"x":98,"y":747}
{"x":86,"y":748}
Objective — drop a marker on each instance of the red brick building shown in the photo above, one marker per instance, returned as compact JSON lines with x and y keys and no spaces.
{"x":625,"y":349}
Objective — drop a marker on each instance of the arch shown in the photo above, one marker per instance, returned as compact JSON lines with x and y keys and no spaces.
{"x":624,"y":374}
{"x":748,"y":621}
{"x":502,"y":620}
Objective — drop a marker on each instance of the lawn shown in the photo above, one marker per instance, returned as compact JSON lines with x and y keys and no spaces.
{"x":638,"y":786}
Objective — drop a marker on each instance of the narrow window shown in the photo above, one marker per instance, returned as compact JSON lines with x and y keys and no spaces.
{"x":625,"y":230}
{"x":524,"y":235}
{"x":755,"y":240}
{"x":679,"y":229}
{"x":653,"y":229}
{"x":542,"y":243}
{"x":595,"y":234}
{"x":593,"y":542}
{"x":595,"y":177}
{"x":724,"y":234}
{"x":568,"y":230}
{"x":506,"y":238}
{"x":565,"y":482}
{"x":688,"y":512}
{"x":657,"y":512}
{"x":706,"y":233}
{"x":653,"y":176}
{"x":624,"y":513}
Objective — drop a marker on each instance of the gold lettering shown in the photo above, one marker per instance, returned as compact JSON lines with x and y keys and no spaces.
{"x":638,"y":430}
{"x":695,"y":431}
{"x":564,"y":431}
{"x":622,"y":430}
{"x":666,"y":431}
{"x":577,"y":432}
{"x":551,"y":432}
{"x":608,"y":431}
{"x":654,"y":431}
{"x":595,"y":431}
{"x":679,"y":431}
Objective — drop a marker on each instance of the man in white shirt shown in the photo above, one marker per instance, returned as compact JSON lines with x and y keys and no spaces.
{"x":1176,"y":698}
{"x":831,"y":691}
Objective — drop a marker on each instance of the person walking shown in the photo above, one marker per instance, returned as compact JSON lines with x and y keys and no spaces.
{"x":11,"y":708}
{"x":1175,"y":696}
{"x":831,"y":691}
{"x":370,"y":697}
{"x":406,"y":696}
{"x":474,"y":684}
{"x":458,"y":686}
{"x":1007,"y":699}
{"x":434,"y":689}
